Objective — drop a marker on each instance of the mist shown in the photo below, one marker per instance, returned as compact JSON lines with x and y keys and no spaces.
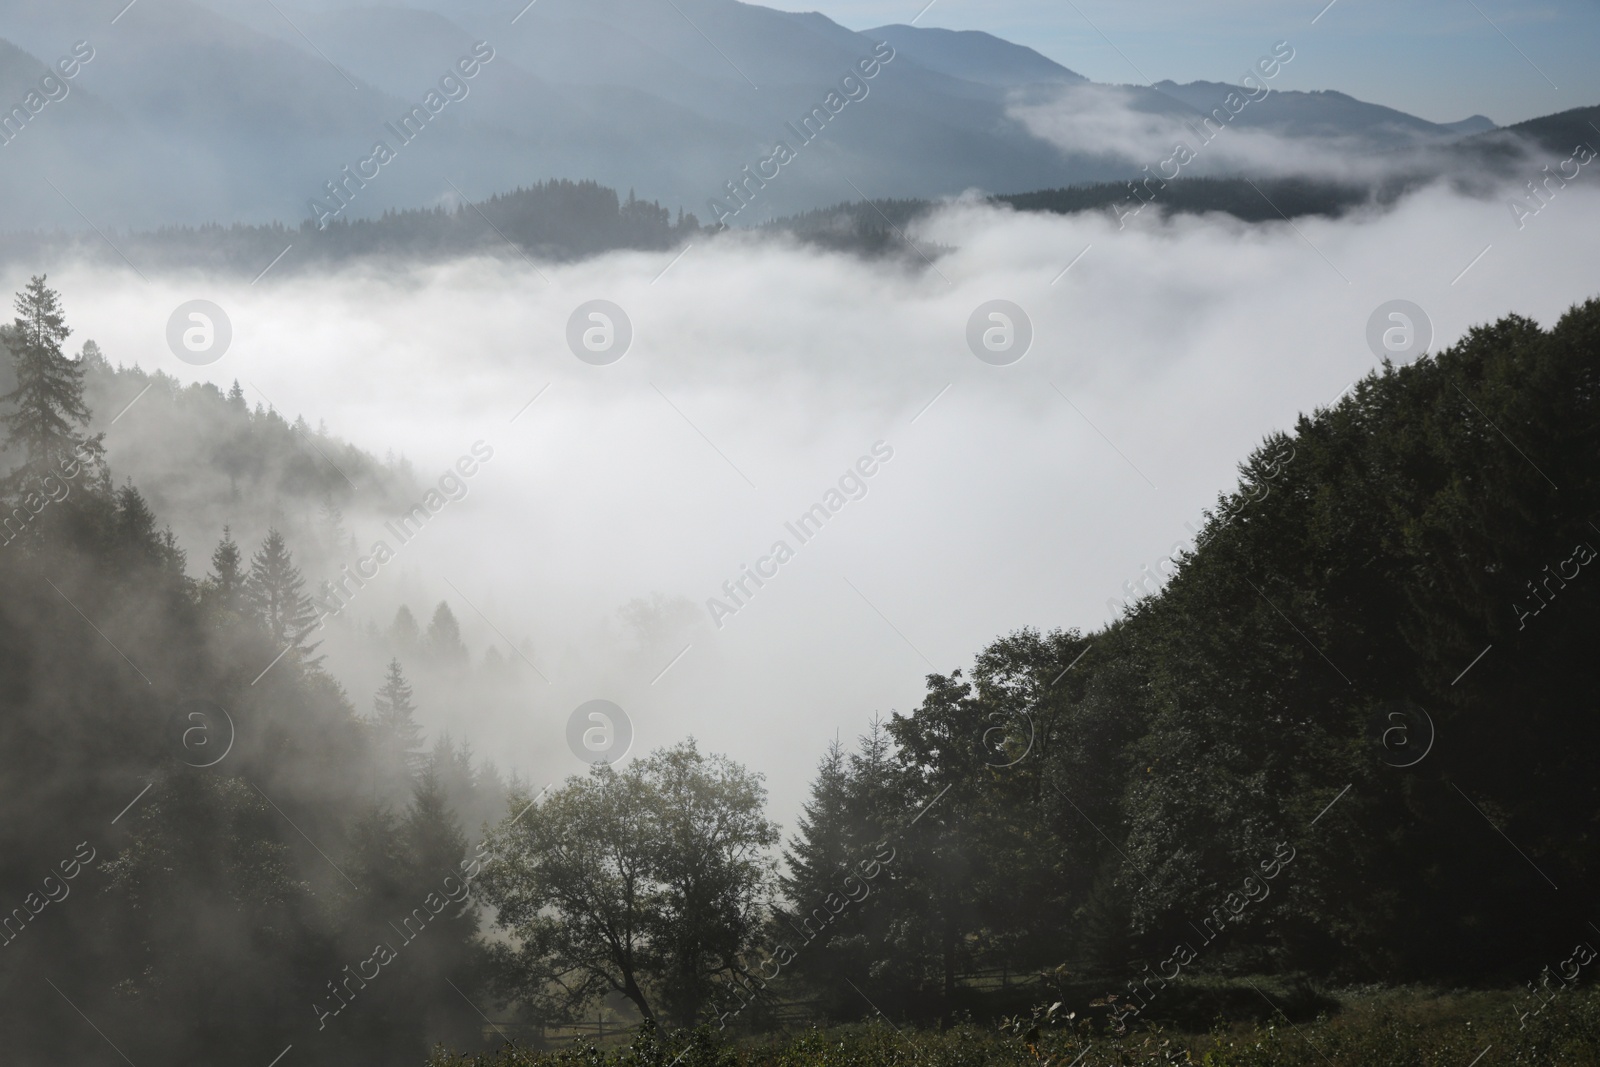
{"x":619,"y":499}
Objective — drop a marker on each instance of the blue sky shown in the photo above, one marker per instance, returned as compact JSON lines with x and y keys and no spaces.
{"x":1440,"y":59}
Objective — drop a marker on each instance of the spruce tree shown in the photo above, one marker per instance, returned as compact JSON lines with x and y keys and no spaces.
{"x":819,"y":854}
{"x":399,"y":737}
{"x":224,"y":587}
{"x":48,"y":398}
{"x":91,"y":358}
{"x":275,"y":592}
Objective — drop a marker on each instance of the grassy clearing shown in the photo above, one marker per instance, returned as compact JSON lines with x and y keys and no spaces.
{"x":1370,"y":1028}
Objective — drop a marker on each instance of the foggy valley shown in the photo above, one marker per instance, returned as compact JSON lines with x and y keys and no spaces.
{"x":736,"y":540}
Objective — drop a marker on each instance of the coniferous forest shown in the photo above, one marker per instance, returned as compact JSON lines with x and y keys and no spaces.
{"x":1347,"y":744}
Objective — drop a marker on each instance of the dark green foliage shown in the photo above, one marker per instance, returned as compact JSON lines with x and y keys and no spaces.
{"x":1082,"y":804}
{"x":645,"y":882}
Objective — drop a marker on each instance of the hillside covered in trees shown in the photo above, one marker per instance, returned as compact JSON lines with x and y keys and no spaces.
{"x":1348,"y":740}
{"x":554,"y":220}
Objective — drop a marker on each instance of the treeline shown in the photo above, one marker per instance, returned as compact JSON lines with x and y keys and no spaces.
{"x":554,"y":220}
{"x":1266,"y":200}
{"x":1348,"y":741}
{"x":564,"y":220}
{"x":205,"y":837}
{"x":1352,"y":738}
{"x":211,"y":457}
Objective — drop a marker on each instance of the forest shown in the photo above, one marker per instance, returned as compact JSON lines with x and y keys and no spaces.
{"x":1345,"y":742}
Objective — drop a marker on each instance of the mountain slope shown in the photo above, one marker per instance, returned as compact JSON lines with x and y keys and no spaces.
{"x":236,"y":111}
{"x":974,"y":56}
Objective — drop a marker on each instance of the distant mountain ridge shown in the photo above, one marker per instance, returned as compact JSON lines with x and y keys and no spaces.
{"x":974,"y":56}
{"x":237,"y":111}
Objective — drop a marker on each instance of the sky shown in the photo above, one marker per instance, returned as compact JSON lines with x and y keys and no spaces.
{"x":1442,"y":60}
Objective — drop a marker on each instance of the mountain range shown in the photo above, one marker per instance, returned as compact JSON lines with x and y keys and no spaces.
{"x":234,"y":110}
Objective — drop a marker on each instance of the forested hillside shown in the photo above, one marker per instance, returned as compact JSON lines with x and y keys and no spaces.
{"x":206,"y":828}
{"x":1349,"y":739}
{"x":555,"y":220}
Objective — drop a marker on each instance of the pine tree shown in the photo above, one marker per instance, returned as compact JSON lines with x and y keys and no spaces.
{"x":399,"y":737}
{"x":276,"y":595}
{"x":228,"y":573}
{"x":48,"y":397}
{"x":818,"y":855}
{"x":236,"y":398}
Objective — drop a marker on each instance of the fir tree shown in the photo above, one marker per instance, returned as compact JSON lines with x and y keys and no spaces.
{"x":819,"y":854}
{"x":48,"y":398}
{"x":224,"y":587}
{"x":399,"y":738}
{"x":431,"y":831}
{"x":276,"y":595}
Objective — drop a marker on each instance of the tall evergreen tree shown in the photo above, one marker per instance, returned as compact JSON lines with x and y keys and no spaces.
{"x":276,"y":595}
{"x":404,"y":634}
{"x":224,"y":587}
{"x":399,"y":737}
{"x":444,"y":637}
{"x":48,"y":397}
{"x":819,"y":852}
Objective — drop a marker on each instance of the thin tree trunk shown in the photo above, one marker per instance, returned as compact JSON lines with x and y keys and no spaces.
{"x":631,"y":990}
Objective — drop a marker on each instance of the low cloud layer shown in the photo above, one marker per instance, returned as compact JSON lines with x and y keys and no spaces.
{"x":1117,"y":123}
{"x":626,"y":495}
